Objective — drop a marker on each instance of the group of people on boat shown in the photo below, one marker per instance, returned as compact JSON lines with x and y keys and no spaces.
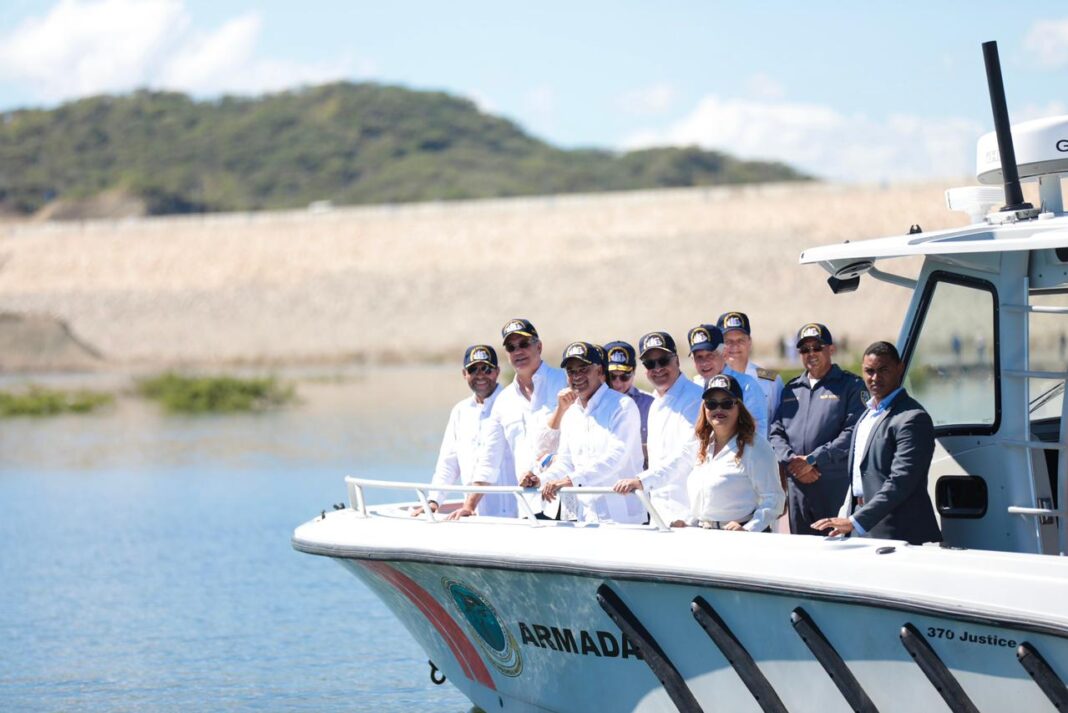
{"x":726,"y":449}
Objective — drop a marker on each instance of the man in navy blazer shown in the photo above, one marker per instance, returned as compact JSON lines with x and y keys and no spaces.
{"x":889,"y":456}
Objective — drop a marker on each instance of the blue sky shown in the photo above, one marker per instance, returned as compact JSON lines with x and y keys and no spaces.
{"x":849,"y":91}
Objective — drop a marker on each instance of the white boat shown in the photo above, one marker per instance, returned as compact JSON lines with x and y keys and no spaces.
{"x":525,"y":615}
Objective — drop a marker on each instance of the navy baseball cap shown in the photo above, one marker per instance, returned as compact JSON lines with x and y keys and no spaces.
{"x":519,"y":326}
{"x":730,"y":321}
{"x":704,"y":337}
{"x":723,"y":382}
{"x":583,"y":351}
{"x":480,"y":354}
{"x":656,"y":340}
{"x":814,"y":330}
{"x":620,"y":357}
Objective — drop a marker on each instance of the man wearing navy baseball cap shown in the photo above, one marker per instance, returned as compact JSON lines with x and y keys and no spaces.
{"x":600,"y":440}
{"x":812,"y":429}
{"x":672,"y":416}
{"x":738,"y":345}
{"x":458,"y":454}
{"x":518,"y":436}
{"x":709,"y":358}
{"x":621,"y":361}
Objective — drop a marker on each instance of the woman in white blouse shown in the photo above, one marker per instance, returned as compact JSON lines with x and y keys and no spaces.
{"x":735,"y":484}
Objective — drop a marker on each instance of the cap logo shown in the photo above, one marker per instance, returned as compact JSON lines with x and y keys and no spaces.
{"x":733,"y":320}
{"x":654,"y":341}
{"x":514,"y":326}
{"x":617,"y":356}
{"x":699,"y":335}
{"x":576,"y":350}
{"x":719,"y":382}
{"x":480,"y":355}
{"x":810,"y":330}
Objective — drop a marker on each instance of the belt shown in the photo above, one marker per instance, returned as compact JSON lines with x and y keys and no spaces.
{"x":720,"y":524}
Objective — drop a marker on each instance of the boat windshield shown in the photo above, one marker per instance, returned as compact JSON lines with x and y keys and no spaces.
{"x":952,"y":359}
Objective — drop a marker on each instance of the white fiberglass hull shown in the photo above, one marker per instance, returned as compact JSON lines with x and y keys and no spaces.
{"x":511,"y":614}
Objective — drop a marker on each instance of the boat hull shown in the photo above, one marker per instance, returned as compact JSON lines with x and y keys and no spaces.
{"x":535,"y":640}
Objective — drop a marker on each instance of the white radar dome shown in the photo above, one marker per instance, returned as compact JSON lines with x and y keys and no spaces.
{"x":1041,"y":149}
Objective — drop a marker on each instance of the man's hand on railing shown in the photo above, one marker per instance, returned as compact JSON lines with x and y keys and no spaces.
{"x":529,"y":480}
{"x":627,"y":485}
{"x":549,"y":490}
{"x":460,"y":513}
{"x":418,"y":509}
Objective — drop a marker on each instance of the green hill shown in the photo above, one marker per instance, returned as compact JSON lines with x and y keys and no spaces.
{"x":346,"y":143}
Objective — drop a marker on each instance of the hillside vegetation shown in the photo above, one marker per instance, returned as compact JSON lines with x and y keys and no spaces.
{"x":346,"y":143}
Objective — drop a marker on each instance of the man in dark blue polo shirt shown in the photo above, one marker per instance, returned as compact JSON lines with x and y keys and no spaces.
{"x":812,"y":427}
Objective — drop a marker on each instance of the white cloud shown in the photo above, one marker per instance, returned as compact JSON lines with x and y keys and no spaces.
{"x":763,"y":86}
{"x":83,"y":47}
{"x":824,"y":142}
{"x":647,"y":101}
{"x":1047,"y":41}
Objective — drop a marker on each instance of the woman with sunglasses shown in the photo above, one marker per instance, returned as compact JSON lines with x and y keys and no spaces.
{"x":735,"y":484}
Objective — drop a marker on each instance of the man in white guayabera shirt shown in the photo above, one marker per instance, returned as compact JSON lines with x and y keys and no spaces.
{"x":671,"y":441}
{"x":462,"y":439}
{"x":600,"y":441}
{"x":517,"y":433}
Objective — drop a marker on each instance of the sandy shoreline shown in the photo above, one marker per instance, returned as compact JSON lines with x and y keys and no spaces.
{"x":417,"y":283}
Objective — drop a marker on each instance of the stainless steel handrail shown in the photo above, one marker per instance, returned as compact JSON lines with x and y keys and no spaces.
{"x":358,"y":502}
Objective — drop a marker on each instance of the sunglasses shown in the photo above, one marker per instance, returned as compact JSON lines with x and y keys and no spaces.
{"x":811,"y":349}
{"x":480,"y":369}
{"x":525,"y":344}
{"x":656,"y":363}
{"x":725,"y":404}
{"x":620,"y":376}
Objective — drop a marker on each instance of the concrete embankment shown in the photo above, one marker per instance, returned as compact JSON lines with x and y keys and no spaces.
{"x":419,"y":282}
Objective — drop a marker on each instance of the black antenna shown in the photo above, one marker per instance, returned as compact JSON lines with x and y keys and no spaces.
{"x":1009,"y":172}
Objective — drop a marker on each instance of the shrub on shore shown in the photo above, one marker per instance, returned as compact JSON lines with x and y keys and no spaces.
{"x":215,"y":394}
{"x":40,"y":401}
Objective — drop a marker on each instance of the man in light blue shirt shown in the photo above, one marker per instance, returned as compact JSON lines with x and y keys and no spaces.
{"x":709,"y":358}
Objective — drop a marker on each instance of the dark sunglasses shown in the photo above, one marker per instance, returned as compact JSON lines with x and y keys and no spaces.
{"x":525,"y":344}
{"x":656,"y":363}
{"x":813,"y":349}
{"x":479,"y":369}
{"x":620,"y":376}
{"x":725,"y":404}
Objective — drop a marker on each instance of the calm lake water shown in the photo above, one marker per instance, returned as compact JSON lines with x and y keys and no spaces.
{"x":146,"y":562}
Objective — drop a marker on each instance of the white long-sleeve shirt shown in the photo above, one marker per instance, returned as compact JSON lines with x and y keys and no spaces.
{"x":600,"y":443}
{"x":458,"y":456}
{"x":517,"y":433}
{"x":722,"y":489}
{"x":672,"y":448}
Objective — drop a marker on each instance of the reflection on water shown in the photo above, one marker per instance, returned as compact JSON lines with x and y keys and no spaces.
{"x":147,"y":566}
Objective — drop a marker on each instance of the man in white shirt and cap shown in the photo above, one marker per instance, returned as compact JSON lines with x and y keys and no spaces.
{"x":672,"y":415}
{"x":518,"y":432}
{"x":710,"y":359}
{"x":462,"y":439}
{"x":600,"y":441}
{"x":738,"y":345}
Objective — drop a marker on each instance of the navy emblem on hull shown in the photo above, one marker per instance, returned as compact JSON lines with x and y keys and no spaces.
{"x":490,"y":632}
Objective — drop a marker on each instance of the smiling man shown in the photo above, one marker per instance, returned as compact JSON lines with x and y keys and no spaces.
{"x":710,"y":359}
{"x":812,"y":429}
{"x":890,"y":453}
{"x":622,"y":362}
{"x":463,"y":436}
{"x":517,"y":436}
{"x":600,"y":440}
{"x":672,"y":416}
